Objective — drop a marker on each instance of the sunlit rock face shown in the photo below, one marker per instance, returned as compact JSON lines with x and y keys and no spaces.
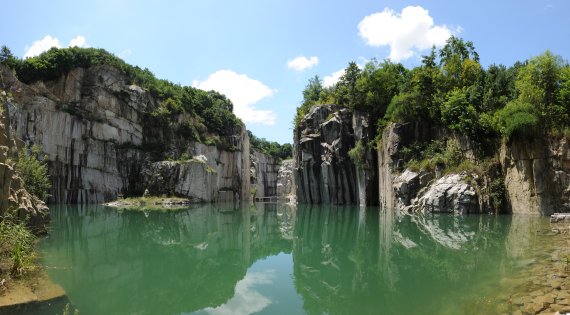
{"x":286,"y":181}
{"x":13,"y":194}
{"x":264,"y":172}
{"x":94,"y":127}
{"x":537,"y":175}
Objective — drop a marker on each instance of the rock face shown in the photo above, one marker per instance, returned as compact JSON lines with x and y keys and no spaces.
{"x":264,"y":171}
{"x":537,"y":175}
{"x":286,"y":181}
{"x":324,"y":173}
{"x":94,"y":127}
{"x":448,"y":194}
{"x":13,"y":194}
{"x":394,"y":138}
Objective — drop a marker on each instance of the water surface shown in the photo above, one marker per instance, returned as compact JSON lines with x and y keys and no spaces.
{"x":274,"y":259}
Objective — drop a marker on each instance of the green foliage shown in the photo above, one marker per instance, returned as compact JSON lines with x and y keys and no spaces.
{"x":213,"y":107}
{"x":358,"y":154}
{"x":7,"y":58}
{"x":518,"y":119}
{"x":458,"y":114}
{"x":346,"y":91}
{"x":404,"y":107}
{"x":541,"y":82}
{"x":17,"y":245}
{"x":32,"y":168}
{"x":311,"y":96}
{"x":438,"y":153}
{"x":271,"y":148}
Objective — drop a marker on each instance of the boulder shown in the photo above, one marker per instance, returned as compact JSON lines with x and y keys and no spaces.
{"x":450,"y":194}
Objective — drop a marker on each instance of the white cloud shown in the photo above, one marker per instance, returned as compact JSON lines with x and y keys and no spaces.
{"x":244,"y":92}
{"x":78,"y":41}
{"x":332,"y":79}
{"x":44,"y":44}
{"x":39,"y":46}
{"x":246,"y":299}
{"x":303,"y":63}
{"x":405,"y":32}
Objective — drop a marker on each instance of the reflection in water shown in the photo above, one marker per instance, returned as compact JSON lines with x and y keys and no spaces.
{"x":158,"y":263}
{"x":215,"y":259}
{"x":246,"y":299}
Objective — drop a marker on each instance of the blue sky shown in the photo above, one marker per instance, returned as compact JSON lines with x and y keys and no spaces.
{"x":248,"y":49}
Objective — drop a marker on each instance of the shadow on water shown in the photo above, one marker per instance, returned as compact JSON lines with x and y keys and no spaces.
{"x":342,"y":259}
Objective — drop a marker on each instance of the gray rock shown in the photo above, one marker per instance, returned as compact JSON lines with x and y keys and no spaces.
{"x":323,"y":171}
{"x":92,"y":123}
{"x":448,"y":194}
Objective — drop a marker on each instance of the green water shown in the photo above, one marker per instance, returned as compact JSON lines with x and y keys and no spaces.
{"x":274,"y":259}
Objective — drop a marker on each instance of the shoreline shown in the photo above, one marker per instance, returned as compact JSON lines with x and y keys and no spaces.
{"x":31,"y":290}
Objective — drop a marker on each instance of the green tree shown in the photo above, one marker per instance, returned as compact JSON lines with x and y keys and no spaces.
{"x":378,"y":84}
{"x":458,"y":114}
{"x":346,"y":91}
{"x":539,"y":83}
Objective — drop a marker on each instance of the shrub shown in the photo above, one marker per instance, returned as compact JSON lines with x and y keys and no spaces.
{"x":404,"y":107}
{"x":458,"y":114}
{"x":16,"y":244}
{"x":32,"y":168}
{"x":358,"y":154}
{"x":517,"y":119}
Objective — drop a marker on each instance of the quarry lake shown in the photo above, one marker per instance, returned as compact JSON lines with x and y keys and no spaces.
{"x":278,"y":259}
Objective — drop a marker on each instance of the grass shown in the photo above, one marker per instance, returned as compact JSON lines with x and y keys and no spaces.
{"x":16,"y":247}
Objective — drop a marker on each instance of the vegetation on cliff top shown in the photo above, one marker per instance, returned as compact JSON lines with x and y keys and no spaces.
{"x":453,"y":90}
{"x":271,"y":148}
{"x":208,"y":108}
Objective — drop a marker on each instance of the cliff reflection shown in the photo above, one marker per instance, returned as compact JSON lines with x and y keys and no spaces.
{"x":217,"y":259}
{"x":384,"y":263}
{"x":113,"y":262}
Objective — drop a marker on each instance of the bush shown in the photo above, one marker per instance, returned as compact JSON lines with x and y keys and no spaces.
{"x":32,"y":168}
{"x":358,"y":154}
{"x":403,"y":108}
{"x":16,"y":245}
{"x":518,"y":119}
{"x":458,"y":114}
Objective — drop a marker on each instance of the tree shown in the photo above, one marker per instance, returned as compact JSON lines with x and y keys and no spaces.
{"x":312,"y":91}
{"x":346,"y":92}
{"x":459,"y":62}
{"x":7,"y":58}
{"x":539,"y":83}
{"x":378,"y":84}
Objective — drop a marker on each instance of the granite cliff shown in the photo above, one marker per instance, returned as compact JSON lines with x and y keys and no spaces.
{"x":13,"y":193}
{"x":520,"y":176}
{"x":102,"y":141}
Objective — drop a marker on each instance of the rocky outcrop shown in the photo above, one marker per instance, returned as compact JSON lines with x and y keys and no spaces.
{"x":537,"y":175}
{"x":286,"y":181}
{"x":13,"y":194}
{"x":264,"y":172}
{"x":94,"y":126}
{"x":390,"y":163}
{"x":324,"y":173}
{"x":323,"y":170}
{"x":449,"y":194}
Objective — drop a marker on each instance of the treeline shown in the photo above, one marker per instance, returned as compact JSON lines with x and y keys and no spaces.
{"x":207,"y":108}
{"x":452,"y":89}
{"x":272,"y":148}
